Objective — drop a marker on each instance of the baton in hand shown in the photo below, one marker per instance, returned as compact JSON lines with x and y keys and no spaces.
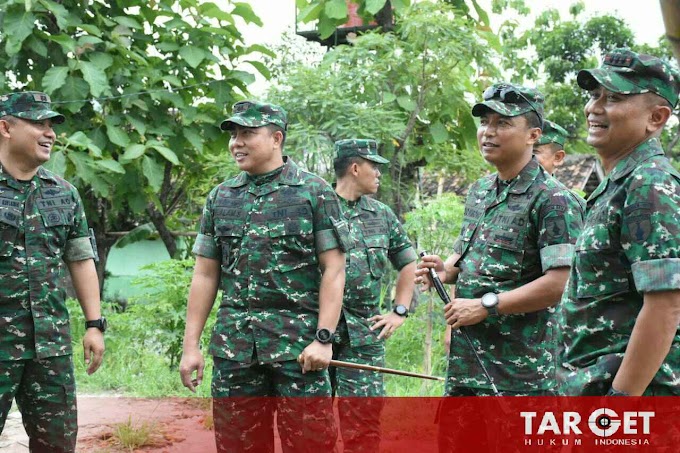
{"x":444,"y":296}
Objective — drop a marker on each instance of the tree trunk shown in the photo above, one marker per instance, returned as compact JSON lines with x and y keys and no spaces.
{"x":158,"y":220}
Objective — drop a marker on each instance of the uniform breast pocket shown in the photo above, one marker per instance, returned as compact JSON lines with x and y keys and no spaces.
{"x":292,"y":243}
{"x":9,"y":230}
{"x":58,"y":223}
{"x":376,"y":251}
{"x":503,"y":258}
{"x":601,"y":268}
{"x":230,"y":235}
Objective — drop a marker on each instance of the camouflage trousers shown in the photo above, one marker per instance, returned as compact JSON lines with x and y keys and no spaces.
{"x":45,"y":393}
{"x":359,"y":420}
{"x":247,"y":397}
{"x":459,"y":417}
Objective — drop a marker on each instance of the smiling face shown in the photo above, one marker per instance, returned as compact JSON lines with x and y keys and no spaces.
{"x":29,"y":143}
{"x":505,"y":140}
{"x":617,"y":123}
{"x":256,"y":150}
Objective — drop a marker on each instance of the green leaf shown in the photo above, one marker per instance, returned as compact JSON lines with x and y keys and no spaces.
{"x":54,"y":79}
{"x":141,"y":233}
{"x":167,"y":46}
{"x":373,"y":6}
{"x":406,"y":103}
{"x":133,"y":152}
{"x":439,"y":133}
{"x":326,"y":28}
{"x":194,"y":138}
{"x":57,"y":163}
{"x":246,"y":12}
{"x":117,"y":135}
{"x":389,"y":97}
{"x":139,"y":125}
{"x":91,"y":29}
{"x":17,"y":26}
{"x":101,"y":60}
{"x":110,"y":165}
{"x":192,"y":55}
{"x":127,"y":22}
{"x":167,"y":153}
{"x":74,"y":89}
{"x":79,"y":139}
{"x":95,"y":77}
{"x":60,"y":13}
{"x":336,"y":9}
{"x":36,"y":46}
{"x":400,"y":5}
{"x":483,"y":15}
{"x":212,"y":10}
{"x":261,"y":67}
{"x":67,"y":43}
{"x":153,"y":171}
{"x":312,"y":12}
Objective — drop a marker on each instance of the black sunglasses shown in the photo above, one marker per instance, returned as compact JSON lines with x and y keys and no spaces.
{"x":511,"y":95}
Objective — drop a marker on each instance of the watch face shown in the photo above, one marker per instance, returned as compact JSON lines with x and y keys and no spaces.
{"x":400,"y":310}
{"x":489,"y":300}
{"x":323,"y":335}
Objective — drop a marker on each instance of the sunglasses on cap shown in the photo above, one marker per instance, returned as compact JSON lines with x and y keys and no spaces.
{"x":511,"y":95}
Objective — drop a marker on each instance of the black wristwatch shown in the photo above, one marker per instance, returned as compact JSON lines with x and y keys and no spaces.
{"x":613,"y":392}
{"x":323,"y":336}
{"x":401,"y":311}
{"x":98,"y":323}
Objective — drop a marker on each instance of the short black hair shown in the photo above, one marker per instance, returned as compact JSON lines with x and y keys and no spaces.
{"x":274,"y":128}
{"x":533,"y":120}
{"x":341,"y":165}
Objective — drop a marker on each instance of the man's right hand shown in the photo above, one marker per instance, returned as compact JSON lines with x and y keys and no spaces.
{"x":192,"y":360}
{"x":423,"y":269}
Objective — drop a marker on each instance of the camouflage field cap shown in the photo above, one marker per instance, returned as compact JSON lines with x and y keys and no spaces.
{"x":368,"y":149}
{"x":510,"y":100}
{"x":626,"y":72}
{"x":255,"y":114}
{"x":29,"y":105}
{"x":553,"y":133}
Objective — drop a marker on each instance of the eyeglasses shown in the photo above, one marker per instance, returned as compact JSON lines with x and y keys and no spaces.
{"x":510,"y":94}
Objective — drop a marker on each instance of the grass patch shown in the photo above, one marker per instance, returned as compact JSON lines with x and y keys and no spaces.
{"x":130,"y":435}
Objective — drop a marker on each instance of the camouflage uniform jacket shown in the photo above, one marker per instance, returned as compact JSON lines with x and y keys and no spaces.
{"x":508,"y":240}
{"x":378,"y":239}
{"x":267,"y":232}
{"x":630,"y":245}
{"x":42,"y":223}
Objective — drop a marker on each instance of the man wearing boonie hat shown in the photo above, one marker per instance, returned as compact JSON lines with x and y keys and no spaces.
{"x":620,"y":312}
{"x":42,"y":226}
{"x":379,"y":240}
{"x":549,"y":149}
{"x":510,"y":263}
{"x":272,"y":238}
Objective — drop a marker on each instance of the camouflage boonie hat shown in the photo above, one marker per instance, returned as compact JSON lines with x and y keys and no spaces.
{"x":626,"y":72}
{"x":255,"y":114}
{"x":552,"y":133}
{"x":29,"y":105}
{"x":510,"y":100}
{"x":368,"y":149}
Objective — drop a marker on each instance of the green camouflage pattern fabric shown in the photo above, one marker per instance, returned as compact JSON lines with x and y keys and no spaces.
{"x":553,"y":133}
{"x":627,"y":72}
{"x":368,"y":149}
{"x":510,"y":100}
{"x":45,"y":393}
{"x":243,"y":407}
{"x":507,"y":240}
{"x":630,"y":245}
{"x":42,"y":224}
{"x":379,"y":241}
{"x":29,"y":105}
{"x":267,"y":232}
{"x":255,"y":114}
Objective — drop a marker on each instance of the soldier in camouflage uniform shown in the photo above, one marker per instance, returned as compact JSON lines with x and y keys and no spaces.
{"x":272,"y":238}
{"x":510,"y":262}
{"x":620,"y":311}
{"x":42,"y":226}
{"x":378,"y":240}
{"x":549,"y":149}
